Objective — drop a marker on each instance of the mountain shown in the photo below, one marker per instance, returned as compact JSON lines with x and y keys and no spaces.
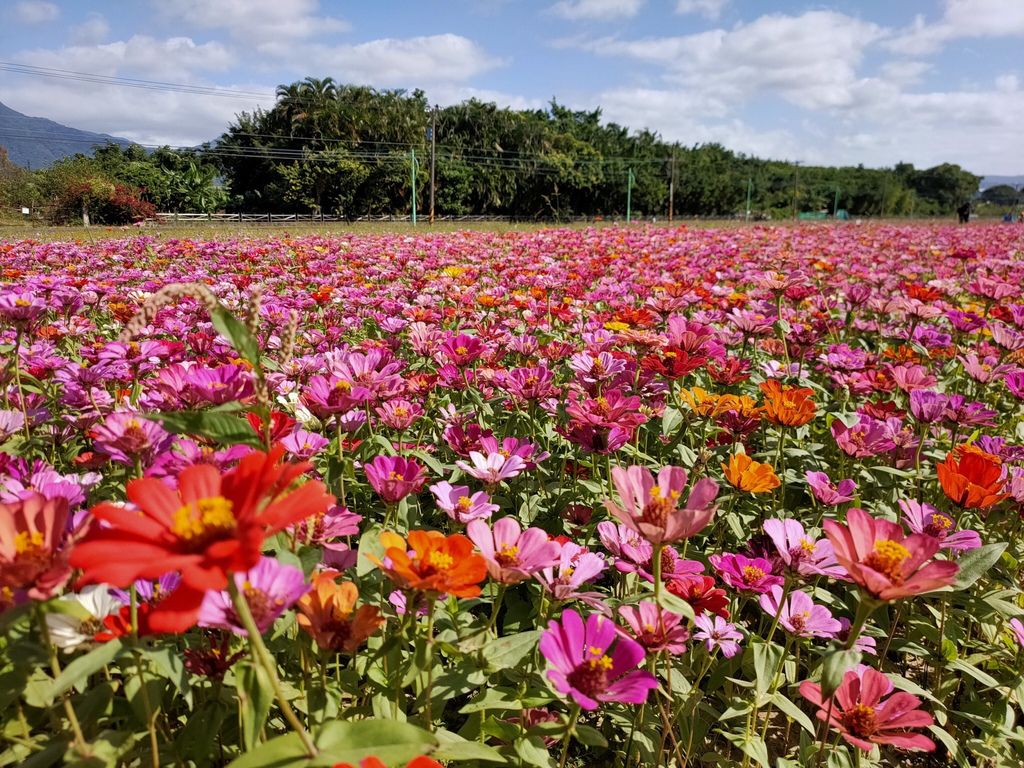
{"x":35,"y":142}
{"x":995,"y":181}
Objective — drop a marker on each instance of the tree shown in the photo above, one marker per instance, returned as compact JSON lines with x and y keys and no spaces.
{"x":324,"y":181}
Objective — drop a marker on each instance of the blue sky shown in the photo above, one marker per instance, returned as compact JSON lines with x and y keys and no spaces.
{"x":923,"y":81}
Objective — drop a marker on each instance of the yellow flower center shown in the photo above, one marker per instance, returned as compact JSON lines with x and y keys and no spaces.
{"x":204,"y":520}
{"x":21,"y":302}
{"x":887,"y":558}
{"x":597,"y":658}
{"x":440,"y":561}
{"x":464,"y":504}
{"x":460,"y":350}
{"x":343,"y":385}
{"x":508,"y":555}
{"x":807,"y":545}
{"x":751,"y":574}
{"x":26,"y":543}
{"x":859,"y":720}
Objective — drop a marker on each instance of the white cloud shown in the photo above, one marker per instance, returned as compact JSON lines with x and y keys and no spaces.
{"x":147,"y":116}
{"x":94,"y":29}
{"x":35,"y":11}
{"x":904,"y":72}
{"x":809,"y":60}
{"x":392,"y":62}
{"x":596,"y":10}
{"x":961,"y":19}
{"x":173,"y":59}
{"x":254,"y":21}
{"x":711,"y":9}
{"x":693,"y":118}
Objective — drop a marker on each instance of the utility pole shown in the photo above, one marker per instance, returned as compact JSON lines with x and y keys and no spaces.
{"x":629,"y":196}
{"x":412,"y":165}
{"x":750,"y":189}
{"x":672,"y":185}
{"x":433,"y":154}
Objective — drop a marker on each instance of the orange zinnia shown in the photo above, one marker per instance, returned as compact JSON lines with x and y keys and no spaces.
{"x":701,"y":402}
{"x":325,"y":613}
{"x":971,"y":478}
{"x":748,"y":475}
{"x":787,"y":406}
{"x":438,"y":564}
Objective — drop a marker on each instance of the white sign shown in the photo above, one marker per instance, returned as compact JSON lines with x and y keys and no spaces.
{"x":25,"y":211}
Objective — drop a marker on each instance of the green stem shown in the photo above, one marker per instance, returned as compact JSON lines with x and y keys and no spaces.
{"x":574,"y":715}
{"x":44,"y":632}
{"x":147,"y":706}
{"x":262,"y":657}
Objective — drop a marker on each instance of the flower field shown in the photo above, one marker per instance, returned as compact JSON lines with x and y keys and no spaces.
{"x":613,"y":497}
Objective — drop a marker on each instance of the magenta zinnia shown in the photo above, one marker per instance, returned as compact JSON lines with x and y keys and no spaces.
{"x":593,"y":662}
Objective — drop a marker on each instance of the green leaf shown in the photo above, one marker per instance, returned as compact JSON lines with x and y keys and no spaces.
{"x":794,"y":712}
{"x":590,"y":736}
{"x":454,"y":747}
{"x":493,"y":698}
{"x":532,"y":751}
{"x":753,"y":747}
{"x":369,"y":544}
{"x":677,"y":605}
{"x":390,"y":741}
{"x":975,"y":562}
{"x":836,"y":664}
{"x":766,"y":661}
{"x":671,"y":420}
{"x":219,"y":426}
{"x":969,"y":669}
{"x":255,"y":696}
{"x":510,"y":651}
{"x":282,"y":752}
{"x":234,"y":330}
{"x":79,"y":670}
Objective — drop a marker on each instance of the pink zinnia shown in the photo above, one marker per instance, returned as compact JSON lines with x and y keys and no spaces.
{"x":718,"y":633}
{"x":652,"y":509}
{"x":829,"y":493}
{"x":924,"y":518}
{"x":863,"y":719}
{"x":129,"y":438}
{"x":655,"y":628}
{"x":633,"y":553}
{"x":33,"y":555}
{"x":399,"y":414}
{"x":459,"y":504}
{"x":575,"y":567}
{"x":799,"y":552}
{"x":303,"y":444}
{"x":512,"y":554}
{"x":270,"y":588}
{"x":329,"y":396}
{"x":492,"y":468}
{"x":744,"y":573}
{"x":886,"y":563}
{"x":584,"y":664}
{"x":868,"y":437}
{"x":799,"y":615}
{"x":1017,"y":628}
{"x":394,"y":477}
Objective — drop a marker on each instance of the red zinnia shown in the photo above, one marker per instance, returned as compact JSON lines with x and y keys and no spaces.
{"x":212,"y":525}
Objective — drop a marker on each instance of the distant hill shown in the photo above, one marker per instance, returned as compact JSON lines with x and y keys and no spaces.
{"x":995,"y":181}
{"x":35,"y":142}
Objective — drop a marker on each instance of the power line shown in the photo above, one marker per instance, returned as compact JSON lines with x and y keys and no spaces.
{"x":129,"y":82}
